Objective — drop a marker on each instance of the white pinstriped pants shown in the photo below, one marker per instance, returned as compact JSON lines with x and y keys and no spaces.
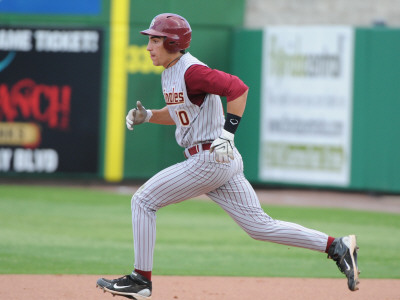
{"x":226,"y":185}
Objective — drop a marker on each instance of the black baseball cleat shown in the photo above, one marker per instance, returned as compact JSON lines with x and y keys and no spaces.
{"x":344,"y":252}
{"x":132,"y":286}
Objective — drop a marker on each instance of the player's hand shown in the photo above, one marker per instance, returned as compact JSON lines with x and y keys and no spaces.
{"x":137,"y":116}
{"x":223,"y":147}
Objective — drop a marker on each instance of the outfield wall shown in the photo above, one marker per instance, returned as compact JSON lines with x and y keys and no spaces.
{"x":358,"y":149}
{"x":70,"y":72}
{"x":321,"y":111}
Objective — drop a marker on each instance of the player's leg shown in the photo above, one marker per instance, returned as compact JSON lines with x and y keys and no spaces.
{"x":190,"y":178}
{"x":238,"y":198}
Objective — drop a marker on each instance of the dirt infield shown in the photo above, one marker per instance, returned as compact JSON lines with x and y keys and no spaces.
{"x":301,"y":197}
{"x":71,"y":287}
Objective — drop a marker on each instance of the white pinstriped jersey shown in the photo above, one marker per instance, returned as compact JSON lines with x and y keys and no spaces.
{"x":194,"y":124}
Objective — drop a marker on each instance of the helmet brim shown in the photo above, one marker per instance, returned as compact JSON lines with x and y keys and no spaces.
{"x":153,"y":32}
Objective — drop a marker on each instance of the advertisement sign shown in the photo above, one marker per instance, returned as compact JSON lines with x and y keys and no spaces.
{"x":71,"y":7}
{"x":50,"y":81}
{"x":306,"y":105}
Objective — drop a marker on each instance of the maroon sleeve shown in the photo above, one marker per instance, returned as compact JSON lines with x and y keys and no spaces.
{"x":201,"y":80}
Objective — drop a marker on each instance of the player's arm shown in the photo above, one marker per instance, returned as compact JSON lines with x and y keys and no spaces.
{"x":141,"y":115}
{"x":237,"y":106}
{"x":223,"y":146}
{"x":161,"y":116}
{"x":201,"y":79}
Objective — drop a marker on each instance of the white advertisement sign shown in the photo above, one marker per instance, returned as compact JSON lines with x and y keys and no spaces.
{"x":306,"y":105}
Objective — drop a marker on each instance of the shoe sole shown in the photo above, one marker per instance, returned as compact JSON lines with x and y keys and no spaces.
{"x":132,"y":296}
{"x":354,"y":248}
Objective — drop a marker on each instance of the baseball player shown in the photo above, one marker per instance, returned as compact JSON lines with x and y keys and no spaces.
{"x":212,"y":165}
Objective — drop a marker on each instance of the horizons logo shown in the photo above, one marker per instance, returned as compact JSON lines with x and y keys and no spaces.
{"x":298,"y":64}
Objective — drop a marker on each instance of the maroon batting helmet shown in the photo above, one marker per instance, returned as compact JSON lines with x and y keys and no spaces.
{"x":174,"y":28}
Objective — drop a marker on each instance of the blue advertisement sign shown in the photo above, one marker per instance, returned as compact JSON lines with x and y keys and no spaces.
{"x":74,"y":7}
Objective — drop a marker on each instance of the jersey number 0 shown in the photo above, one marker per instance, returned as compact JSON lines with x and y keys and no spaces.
{"x":183,"y":117}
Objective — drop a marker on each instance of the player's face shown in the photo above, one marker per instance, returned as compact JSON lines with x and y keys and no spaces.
{"x":158,"y":54}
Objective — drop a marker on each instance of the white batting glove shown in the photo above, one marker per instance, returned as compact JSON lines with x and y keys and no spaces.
{"x":137,"y":116}
{"x":223,"y":147}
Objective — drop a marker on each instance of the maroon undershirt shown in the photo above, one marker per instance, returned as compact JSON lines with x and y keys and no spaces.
{"x":201,"y":80}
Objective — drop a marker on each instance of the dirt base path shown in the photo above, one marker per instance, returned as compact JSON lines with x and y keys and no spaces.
{"x":71,"y":287}
{"x":300,"y":197}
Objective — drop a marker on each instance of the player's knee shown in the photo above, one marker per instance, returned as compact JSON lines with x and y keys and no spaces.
{"x":139,"y":202}
{"x":254,"y":235}
{"x":260,"y":230}
{"x":136,"y":202}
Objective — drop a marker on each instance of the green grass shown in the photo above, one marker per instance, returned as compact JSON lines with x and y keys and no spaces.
{"x":54,"y":230}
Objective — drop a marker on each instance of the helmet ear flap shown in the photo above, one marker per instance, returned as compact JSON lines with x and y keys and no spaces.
{"x":170,"y":44}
